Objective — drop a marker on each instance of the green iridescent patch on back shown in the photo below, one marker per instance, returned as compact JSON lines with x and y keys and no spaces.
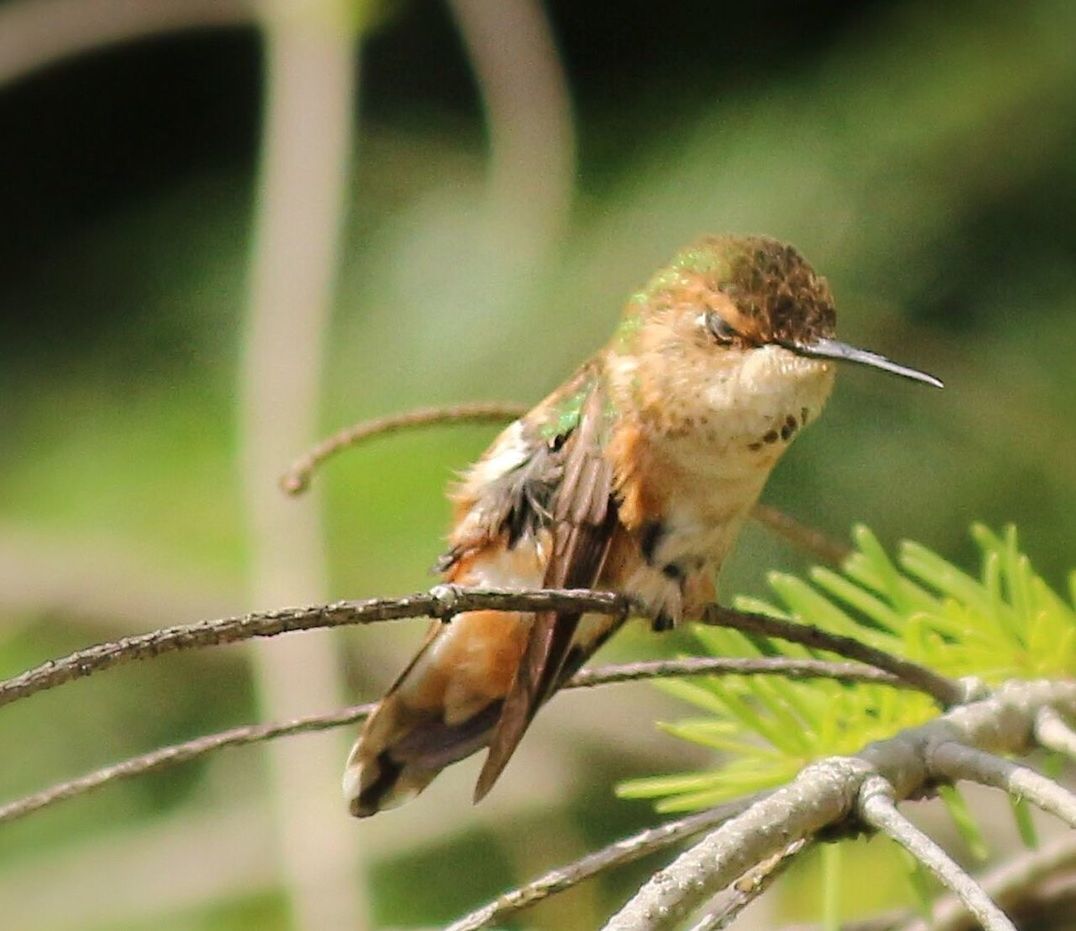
{"x":627,"y":330}
{"x":566,"y":415}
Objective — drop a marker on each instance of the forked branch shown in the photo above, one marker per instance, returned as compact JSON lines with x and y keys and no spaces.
{"x":955,"y":761}
{"x":826,"y":795}
{"x":829,"y":795}
{"x":877,"y":809}
{"x":1053,"y":733}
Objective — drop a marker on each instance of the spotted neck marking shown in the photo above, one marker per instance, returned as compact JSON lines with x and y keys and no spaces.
{"x":710,"y":429}
{"x":720,"y":416}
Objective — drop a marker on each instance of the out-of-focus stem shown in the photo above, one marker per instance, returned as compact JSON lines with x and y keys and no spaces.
{"x":525,"y":95}
{"x":310,"y":74}
{"x":37,"y":33}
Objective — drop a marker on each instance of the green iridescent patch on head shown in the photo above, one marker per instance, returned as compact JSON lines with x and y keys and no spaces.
{"x":714,"y":257}
{"x":769,"y":282}
{"x":665,"y":279}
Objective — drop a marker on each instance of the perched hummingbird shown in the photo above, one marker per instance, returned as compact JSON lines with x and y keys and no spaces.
{"x":634,"y":476}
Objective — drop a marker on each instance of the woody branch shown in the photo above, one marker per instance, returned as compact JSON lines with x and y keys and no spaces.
{"x":852,"y":794}
{"x":859,"y":793}
{"x":444,"y":601}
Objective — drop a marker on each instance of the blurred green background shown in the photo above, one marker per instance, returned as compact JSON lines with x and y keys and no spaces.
{"x":921,"y":156}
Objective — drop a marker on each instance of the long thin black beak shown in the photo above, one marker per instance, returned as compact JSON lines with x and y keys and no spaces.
{"x":832,"y":349}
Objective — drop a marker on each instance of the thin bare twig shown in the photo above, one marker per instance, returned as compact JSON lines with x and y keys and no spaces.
{"x":957,"y":761}
{"x":876,"y":807}
{"x":802,"y":536}
{"x":588,"y":678}
{"x":726,"y":908}
{"x":37,"y":33}
{"x":299,"y":475}
{"x":442,"y":601}
{"x":946,"y":692}
{"x":1053,"y":733}
{"x":297,"y":479}
{"x":178,"y":753}
{"x":732,"y":665}
{"x":619,"y":853}
{"x":1007,"y":884}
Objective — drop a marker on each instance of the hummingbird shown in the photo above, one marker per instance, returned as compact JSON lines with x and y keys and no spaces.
{"x":634,"y":476}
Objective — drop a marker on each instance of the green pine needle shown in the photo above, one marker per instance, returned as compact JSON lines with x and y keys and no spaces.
{"x":1006,"y":623}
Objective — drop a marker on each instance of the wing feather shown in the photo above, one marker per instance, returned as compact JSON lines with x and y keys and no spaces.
{"x":584,"y":518}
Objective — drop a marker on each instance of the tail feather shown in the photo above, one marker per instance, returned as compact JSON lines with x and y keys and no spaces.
{"x":400,"y":753}
{"x":442,"y":708}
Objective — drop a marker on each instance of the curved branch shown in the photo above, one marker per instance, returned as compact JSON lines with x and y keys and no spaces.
{"x":1053,"y":733}
{"x":176,"y":754}
{"x":513,"y":53}
{"x":876,"y":808}
{"x":442,"y":601}
{"x":736,"y":666}
{"x":955,"y":761}
{"x":587,"y":678}
{"x":946,"y":692}
{"x":297,"y":479}
{"x":619,"y":853}
{"x":1008,"y":885}
{"x":38,"y":33}
{"x":300,"y":473}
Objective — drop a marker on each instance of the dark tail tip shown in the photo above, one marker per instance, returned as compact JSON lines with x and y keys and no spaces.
{"x":371,"y":796}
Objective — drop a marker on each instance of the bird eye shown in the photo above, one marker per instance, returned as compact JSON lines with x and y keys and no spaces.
{"x":719,"y":328}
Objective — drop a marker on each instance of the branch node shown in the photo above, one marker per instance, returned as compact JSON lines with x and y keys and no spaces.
{"x":877,"y":808}
{"x":953,"y":760}
{"x":974,"y":689}
{"x":876,"y":786}
{"x":446,"y":598}
{"x":1054,"y":733}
